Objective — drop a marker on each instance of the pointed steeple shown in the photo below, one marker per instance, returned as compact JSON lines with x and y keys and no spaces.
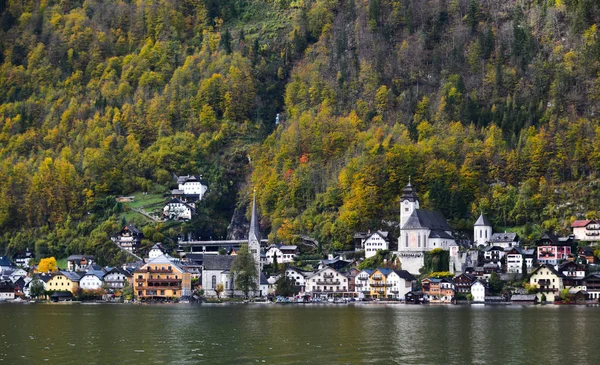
{"x":408,"y":193}
{"x":254,"y":233}
{"x":483,"y":221}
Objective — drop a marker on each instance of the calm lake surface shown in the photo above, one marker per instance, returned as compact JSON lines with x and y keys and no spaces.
{"x":295,"y":334}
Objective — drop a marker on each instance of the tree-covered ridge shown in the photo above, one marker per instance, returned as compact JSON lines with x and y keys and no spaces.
{"x":103,"y":98}
{"x":489,"y":106}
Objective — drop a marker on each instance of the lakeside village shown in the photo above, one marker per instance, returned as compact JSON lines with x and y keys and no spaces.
{"x":492,"y":268}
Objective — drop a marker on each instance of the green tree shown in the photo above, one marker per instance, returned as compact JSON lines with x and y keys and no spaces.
{"x":245,"y":270}
{"x":496,"y":284}
{"x":285,"y":287}
{"x":36,"y":288}
{"x":127,"y":292}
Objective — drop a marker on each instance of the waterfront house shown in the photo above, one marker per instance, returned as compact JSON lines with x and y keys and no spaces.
{"x":438,"y":290}
{"x":379,"y":285}
{"x":284,"y":253}
{"x":504,"y":240}
{"x":573,"y":275}
{"x":479,"y":291}
{"x":7,"y":290}
{"x":63,"y":281}
{"x":161,"y":279}
{"x":351,"y":275}
{"x":361,"y":283}
{"x":547,"y":281}
{"x":327,"y":282}
{"x":463,"y":282}
{"x":79,"y":262}
{"x":524,"y":299}
{"x":116,"y":279}
{"x":399,"y":283}
{"x":592,"y":286}
{"x":298,"y":277}
{"x":129,"y":238}
{"x":374,"y":242}
{"x":92,"y":280}
{"x":586,"y":230}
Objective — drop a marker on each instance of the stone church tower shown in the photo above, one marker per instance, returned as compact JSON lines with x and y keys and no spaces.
{"x":482,"y":231}
{"x":409,"y":202}
{"x":254,"y":236}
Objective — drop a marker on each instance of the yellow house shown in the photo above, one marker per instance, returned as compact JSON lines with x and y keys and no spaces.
{"x":547,"y":281}
{"x":63,"y":281}
{"x":378,"y":283}
{"x":161,"y":279}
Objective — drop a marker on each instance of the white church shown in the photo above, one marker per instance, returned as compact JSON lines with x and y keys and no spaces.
{"x":420,"y":231}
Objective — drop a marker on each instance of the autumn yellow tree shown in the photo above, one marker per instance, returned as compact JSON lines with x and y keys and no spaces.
{"x":47,"y":265}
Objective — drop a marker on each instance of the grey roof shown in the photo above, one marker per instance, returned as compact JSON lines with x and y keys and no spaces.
{"x":79,"y":257}
{"x":4,"y":261}
{"x":119,"y":270}
{"x":217,"y":262}
{"x":71,"y":275}
{"x":254,"y":233}
{"x":403,"y":274}
{"x":523,"y":297}
{"x":421,"y":218}
{"x":97,"y":273}
{"x":408,"y":193}
{"x":493,"y":248}
{"x":263,"y":279}
{"x":483,"y":221}
{"x":440,"y":234}
{"x":504,"y":237}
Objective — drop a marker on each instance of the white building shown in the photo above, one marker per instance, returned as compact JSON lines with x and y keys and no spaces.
{"x":92,"y":280}
{"x":176,"y":209}
{"x":284,"y":254}
{"x":156,"y":251}
{"x":326,"y":281}
{"x":482,"y":231}
{"x":298,"y":277}
{"x":361,"y":282}
{"x":478,"y":291}
{"x":399,"y":282}
{"x":420,"y":231}
{"x":515,"y":257}
{"x":586,"y":230}
{"x":505,"y":240}
{"x":375,"y":242}
{"x":548,"y":282}
{"x":117,"y":278}
{"x":190,"y":188}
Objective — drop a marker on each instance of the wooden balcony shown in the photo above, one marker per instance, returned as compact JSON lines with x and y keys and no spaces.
{"x":321,"y":282}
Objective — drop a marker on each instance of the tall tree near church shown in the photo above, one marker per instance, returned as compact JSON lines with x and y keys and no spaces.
{"x":244,"y":268}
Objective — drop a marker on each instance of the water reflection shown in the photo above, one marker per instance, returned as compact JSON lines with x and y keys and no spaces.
{"x":291,"y":334}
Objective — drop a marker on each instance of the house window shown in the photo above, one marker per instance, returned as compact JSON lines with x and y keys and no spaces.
{"x":406,"y":240}
{"x":214,"y":281}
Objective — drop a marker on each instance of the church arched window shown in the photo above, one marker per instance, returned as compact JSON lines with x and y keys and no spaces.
{"x":214,"y":281}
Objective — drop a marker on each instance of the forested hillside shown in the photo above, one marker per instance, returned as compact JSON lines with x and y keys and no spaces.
{"x":488,"y":105}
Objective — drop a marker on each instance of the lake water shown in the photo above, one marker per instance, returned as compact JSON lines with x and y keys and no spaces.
{"x":297,"y":334}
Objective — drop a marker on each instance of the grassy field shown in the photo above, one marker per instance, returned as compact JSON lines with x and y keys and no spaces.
{"x":62,"y":263}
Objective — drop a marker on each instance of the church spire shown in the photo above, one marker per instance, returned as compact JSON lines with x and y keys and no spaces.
{"x":254,"y":233}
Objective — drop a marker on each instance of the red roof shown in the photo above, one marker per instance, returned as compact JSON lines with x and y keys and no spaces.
{"x":580,"y":223}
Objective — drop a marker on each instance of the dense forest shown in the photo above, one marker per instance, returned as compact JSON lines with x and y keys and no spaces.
{"x":488,"y":106}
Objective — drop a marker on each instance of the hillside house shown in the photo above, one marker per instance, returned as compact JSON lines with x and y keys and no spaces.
{"x":547,"y":281}
{"x":587,"y":230}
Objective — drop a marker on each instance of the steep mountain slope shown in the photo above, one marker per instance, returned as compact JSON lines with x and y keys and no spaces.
{"x":489,"y":106}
